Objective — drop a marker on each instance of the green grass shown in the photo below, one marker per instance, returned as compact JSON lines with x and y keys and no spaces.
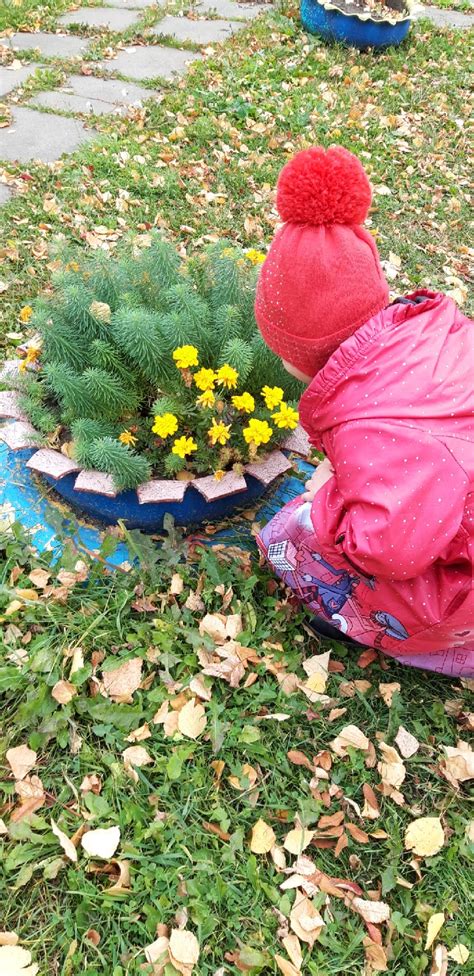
{"x":232,"y":897}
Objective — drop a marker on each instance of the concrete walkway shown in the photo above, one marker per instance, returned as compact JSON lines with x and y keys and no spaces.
{"x":34,"y":135}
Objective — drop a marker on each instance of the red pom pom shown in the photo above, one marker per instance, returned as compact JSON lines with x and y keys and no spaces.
{"x":318,"y":187}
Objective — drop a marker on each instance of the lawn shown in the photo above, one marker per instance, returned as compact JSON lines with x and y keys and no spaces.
{"x":190,"y":803}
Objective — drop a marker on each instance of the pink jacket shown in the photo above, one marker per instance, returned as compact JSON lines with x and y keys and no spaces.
{"x":393,"y":410}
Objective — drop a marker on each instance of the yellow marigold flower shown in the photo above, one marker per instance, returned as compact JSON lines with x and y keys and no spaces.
{"x":32,"y":354}
{"x":186,"y":356}
{"x":72,"y":266}
{"x":126,"y":437}
{"x":165,"y":425}
{"x":228,"y":252}
{"x":25,"y":314}
{"x":255,"y":257}
{"x":286,"y":418}
{"x":273,"y":395}
{"x":219,"y":433}
{"x":184,"y":446}
{"x":258,"y":432}
{"x":207,"y":399}
{"x":245,"y":402}
{"x":205,"y":379}
{"x":218,"y":475}
{"x":227,"y":376}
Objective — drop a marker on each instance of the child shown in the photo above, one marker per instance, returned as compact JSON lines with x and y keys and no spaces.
{"x":381,"y":546}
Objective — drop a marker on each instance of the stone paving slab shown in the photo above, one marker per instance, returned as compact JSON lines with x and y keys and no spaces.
{"x":92,"y":95}
{"x":197,"y":31}
{"x":153,"y":61}
{"x":51,"y":45}
{"x":230,"y":9}
{"x":133,"y":4}
{"x":12,"y":79}
{"x":445,"y":18}
{"x":110,"y":17}
{"x":34,"y":135}
{"x":5,"y":194}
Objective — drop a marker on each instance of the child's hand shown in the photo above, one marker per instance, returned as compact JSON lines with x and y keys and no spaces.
{"x":324,"y":472}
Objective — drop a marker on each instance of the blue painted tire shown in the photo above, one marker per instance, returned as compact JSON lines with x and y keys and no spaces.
{"x":334,"y":25}
{"x":193,"y":510}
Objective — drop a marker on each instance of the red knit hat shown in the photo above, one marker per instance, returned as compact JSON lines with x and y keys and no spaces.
{"x":322,"y":278}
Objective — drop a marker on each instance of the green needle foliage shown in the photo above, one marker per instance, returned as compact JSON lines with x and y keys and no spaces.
{"x":108,"y":334}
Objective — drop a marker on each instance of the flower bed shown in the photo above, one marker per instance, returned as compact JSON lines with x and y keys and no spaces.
{"x":148,"y":386}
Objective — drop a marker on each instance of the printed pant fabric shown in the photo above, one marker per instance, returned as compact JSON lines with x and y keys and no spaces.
{"x":380,"y":614}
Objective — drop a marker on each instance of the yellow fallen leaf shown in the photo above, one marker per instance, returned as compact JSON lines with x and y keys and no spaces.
{"x":387,"y":691}
{"x":66,"y":843}
{"x":263,"y":838}
{"x":8,"y":938}
{"x":63,"y":692}
{"x":102,"y":842}
{"x":425,"y":836}
{"x":297,"y":840}
{"x":459,"y":953}
{"x":248,"y":773}
{"x":292,"y":945}
{"x":192,"y":719}
{"x":435,"y":924}
{"x":26,"y":594}
{"x":21,"y":760}
{"x":318,"y":665}
{"x":286,"y":967}
{"x":349,"y":737}
{"x":305,"y":920}
{"x":16,"y":961}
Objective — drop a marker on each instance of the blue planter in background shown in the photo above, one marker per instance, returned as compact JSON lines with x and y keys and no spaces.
{"x":335,"y":25}
{"x":192,"y":510}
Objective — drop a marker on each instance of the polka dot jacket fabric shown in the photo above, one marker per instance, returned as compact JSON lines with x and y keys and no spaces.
{"x":393,"y":410}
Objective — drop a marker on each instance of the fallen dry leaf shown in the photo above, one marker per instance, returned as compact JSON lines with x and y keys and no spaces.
{"x":286,"y":967}
{"x":8,"y":938}
{"x":439,"y":966}
{"x":102,"y":842}
{"x":375,"y":955}
{"x":387,"y":691}
{"x":425,"y":836}
{"x":373,"y":912}
{"x":136,"y":756}
{"x":16,"y":961}
{"x":183,"y":949}
{"x":349,"y":737}
{"x":192,"y":719}
{"x":140,"y":734}
{"x":66,"y":843}
{"x":278,"y":857}
{"x":391,"y":768}
{"x":262,"y":839}
{"x":248,"y":773}
{"x":121,"y":683}
{"x":21,"y":760}
{"x":177,"y":584}
{"x":459,"y":953}
{"x":299,"y":759}
{"x":39,"y":578}
{"x":292,"y":945}
{"x":435,"y":924}
{"x":158,"y":954}
{"x":298,"y":840}
{"x":458,"y":766}
{"x":91,"y":783}
{"x":63,"y":692}
{"x":305,"y":920}
{"x":122,"y":883}
{"x":371,"y":808}
{"x":406,"y":742}
{"x":318,"y":665}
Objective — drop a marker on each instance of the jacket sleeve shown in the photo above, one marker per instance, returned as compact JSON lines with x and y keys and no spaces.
{"x":396,"y":501}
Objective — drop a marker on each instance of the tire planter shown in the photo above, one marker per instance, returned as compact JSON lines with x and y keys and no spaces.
{"x":356,"y":30}
{"x":92,"y":493}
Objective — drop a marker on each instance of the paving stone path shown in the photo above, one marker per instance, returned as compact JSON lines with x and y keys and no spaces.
{"x":34,"y":135}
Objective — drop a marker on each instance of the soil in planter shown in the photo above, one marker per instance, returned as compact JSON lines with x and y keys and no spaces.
{"x":379,"y":11}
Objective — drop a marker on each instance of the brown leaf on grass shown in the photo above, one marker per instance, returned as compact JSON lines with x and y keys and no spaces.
{"x":220,"y":628}
{"x":425,"y":836}
{"x":140,"y":734}
{"x":248,"y":773}
{"x":439,"y":965}
{"x":373,"y":912}
{"x":121,"y":683}
{"x":21,"y":760}
{"x":305,"y":920}
{"x":66,"y":843}
{"x":318,"y":665}
{"x":387,"y":691}
{"x":349,"y":689}
{"x":391,"y":769}
{"x":458,"y":765}
{"x":371,"y":808}
{"x":299,"y":759}
{"x":198,"y":688}
{"x":406,"y":742}
{"x":91,"y":784}
{"x":356,"y":833}
{"x":336,"y":713}
{"x":184,"y":950}
{"x":192,"y":719}
{"x":292,"y":945}
{"x":121,"y":885}
{"x":9,"y":938}
{"x":341,"y":844}
{"x":92,"y":936}
{"x":63,"y":692}
{"x":262,"y":838}
{"x":375,"y":955}
{"x":136,"y":756}
{"x":331,"y":820}
{"x":286,"y":967}
{"x":158,"y":954}
{"x":349,"y":737}
{"x":215,"y":829}
{"x":32,"y":796}
{"x":39,"y":578}
{"x":367,"y":657}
